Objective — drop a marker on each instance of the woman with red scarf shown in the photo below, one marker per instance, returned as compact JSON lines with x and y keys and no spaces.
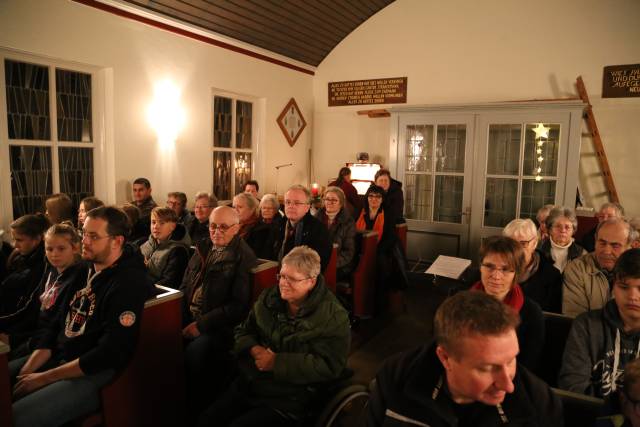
{"x":501,"y":263}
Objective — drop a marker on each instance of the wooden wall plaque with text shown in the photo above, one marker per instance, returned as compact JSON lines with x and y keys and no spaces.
{"x":365,"y":92}
{"x":621,"y":81}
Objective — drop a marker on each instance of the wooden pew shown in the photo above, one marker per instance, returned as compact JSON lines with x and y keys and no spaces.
{"x":330,"y":273}
{"x":5,"y":386}
{"x":579,"y":410}
{"x":363,"y":279}
{"x":151,"y":390}
{"x":401,"y":232}
{"x":585,"y":225}
{"x":557,"y":327}
{"x":264,"y":276}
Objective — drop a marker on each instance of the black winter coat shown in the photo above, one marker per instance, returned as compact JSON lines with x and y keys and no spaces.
{"x":19,"y":305}
{"x":407,"y":393}
{"x":226,"y":292}
{"x":545,"y":286}
{"x":313,"y":234}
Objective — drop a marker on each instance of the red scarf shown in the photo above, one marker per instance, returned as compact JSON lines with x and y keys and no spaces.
{"x":514,"y":299}
{"x":378,"y":226}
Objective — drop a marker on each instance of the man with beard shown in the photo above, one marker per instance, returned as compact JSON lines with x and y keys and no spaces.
{"x":95,"y":334}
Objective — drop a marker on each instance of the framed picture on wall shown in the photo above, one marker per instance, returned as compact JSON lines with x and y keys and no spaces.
{"x":291,"y":122}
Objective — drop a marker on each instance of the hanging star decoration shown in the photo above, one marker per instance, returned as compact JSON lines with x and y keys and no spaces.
{"x":542,"y":134}
{"x":541,"y":131}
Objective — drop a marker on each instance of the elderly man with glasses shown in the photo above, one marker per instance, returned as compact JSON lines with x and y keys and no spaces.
{"x":588,"y":279}
{"x":217,"y":293}
{"x":300,"y":227}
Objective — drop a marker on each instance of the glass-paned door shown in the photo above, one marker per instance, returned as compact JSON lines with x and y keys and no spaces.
{"x":518,"y":169}
{"x":435,"y":157}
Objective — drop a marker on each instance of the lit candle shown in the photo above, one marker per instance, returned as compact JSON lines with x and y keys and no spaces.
{"x":314,"y":189}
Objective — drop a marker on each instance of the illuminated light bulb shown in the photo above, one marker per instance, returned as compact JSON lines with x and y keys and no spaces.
{"x":540,"y":143}
{"x":539,"y":170}
{"x":540,"y":158}
{"x":539,"y":151}
{"x":165,"y":114}
{"x":538,"y":178}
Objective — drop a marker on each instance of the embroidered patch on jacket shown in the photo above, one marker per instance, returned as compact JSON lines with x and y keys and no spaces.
{"x":127,"y":318}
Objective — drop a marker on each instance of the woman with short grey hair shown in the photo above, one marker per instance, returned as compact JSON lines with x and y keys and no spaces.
{"x":560,"y":246}
{"x":539,"y":280}
{"x":295,"y":338}
{"x":269,"y":208}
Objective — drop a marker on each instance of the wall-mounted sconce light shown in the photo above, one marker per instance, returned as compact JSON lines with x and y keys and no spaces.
{"x":165,"y":114}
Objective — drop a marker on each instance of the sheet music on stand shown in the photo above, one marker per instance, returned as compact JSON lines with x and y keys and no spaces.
{"x":448,"y":266}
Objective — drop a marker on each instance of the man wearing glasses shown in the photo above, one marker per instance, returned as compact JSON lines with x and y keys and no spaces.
{"x":602,"y":342}
{"x":217,"y":293}
{"x":588,"y":279}
{"x":301,"y":228}
{"x":95,"y":335}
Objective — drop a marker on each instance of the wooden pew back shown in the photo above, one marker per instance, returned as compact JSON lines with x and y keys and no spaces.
{"x":579,"y":410}
{"x":557,"y":327}
{"x":363,"y":281}
{"x":264,"y":276}
{"x":330,"y":273}
{"x":151,"y":390}
{"x":401,"y":232}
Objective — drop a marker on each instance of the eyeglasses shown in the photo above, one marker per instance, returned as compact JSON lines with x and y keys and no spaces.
{"x":295,"y":203}
{"x":223,"y":228}
{"x":92,"y":237}
{"x":327,"y":200}
{"x":493,"y":268}
{"x":291,"y":280}
{"x":525,"y":243}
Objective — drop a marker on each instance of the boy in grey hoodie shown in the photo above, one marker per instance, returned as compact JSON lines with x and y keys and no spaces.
{"x":602,"y":341}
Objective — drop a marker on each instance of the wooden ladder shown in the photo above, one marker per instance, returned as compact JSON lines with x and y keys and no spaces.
{"x":597,"y":142}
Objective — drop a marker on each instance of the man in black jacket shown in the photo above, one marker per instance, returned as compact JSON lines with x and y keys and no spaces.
{"x":217,"y":294}
{"x":301,"y":228}
{"x":468,"y":377}
{"x":96,"y":331}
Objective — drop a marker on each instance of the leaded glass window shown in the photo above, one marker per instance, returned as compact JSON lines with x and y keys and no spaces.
{"x":76,"y":172}
{"x":62,"y":159}
{"x":232,"y":145}
{"x":30,"y":178}
{"x":27,"y":89}
{"x":73,"y":96}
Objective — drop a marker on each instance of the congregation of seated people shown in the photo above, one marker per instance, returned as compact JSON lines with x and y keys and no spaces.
{"x":73,"y":290}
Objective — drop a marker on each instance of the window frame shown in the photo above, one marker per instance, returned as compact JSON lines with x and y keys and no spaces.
{"x":98,"y":84}
{"x":257,"y":127}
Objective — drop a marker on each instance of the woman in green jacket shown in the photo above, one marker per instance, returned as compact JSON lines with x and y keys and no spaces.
{"x":295,"y":338}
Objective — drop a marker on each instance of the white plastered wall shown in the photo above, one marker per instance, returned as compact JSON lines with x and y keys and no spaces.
{"x":135,"y":56}
{"x":462,"y":51}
